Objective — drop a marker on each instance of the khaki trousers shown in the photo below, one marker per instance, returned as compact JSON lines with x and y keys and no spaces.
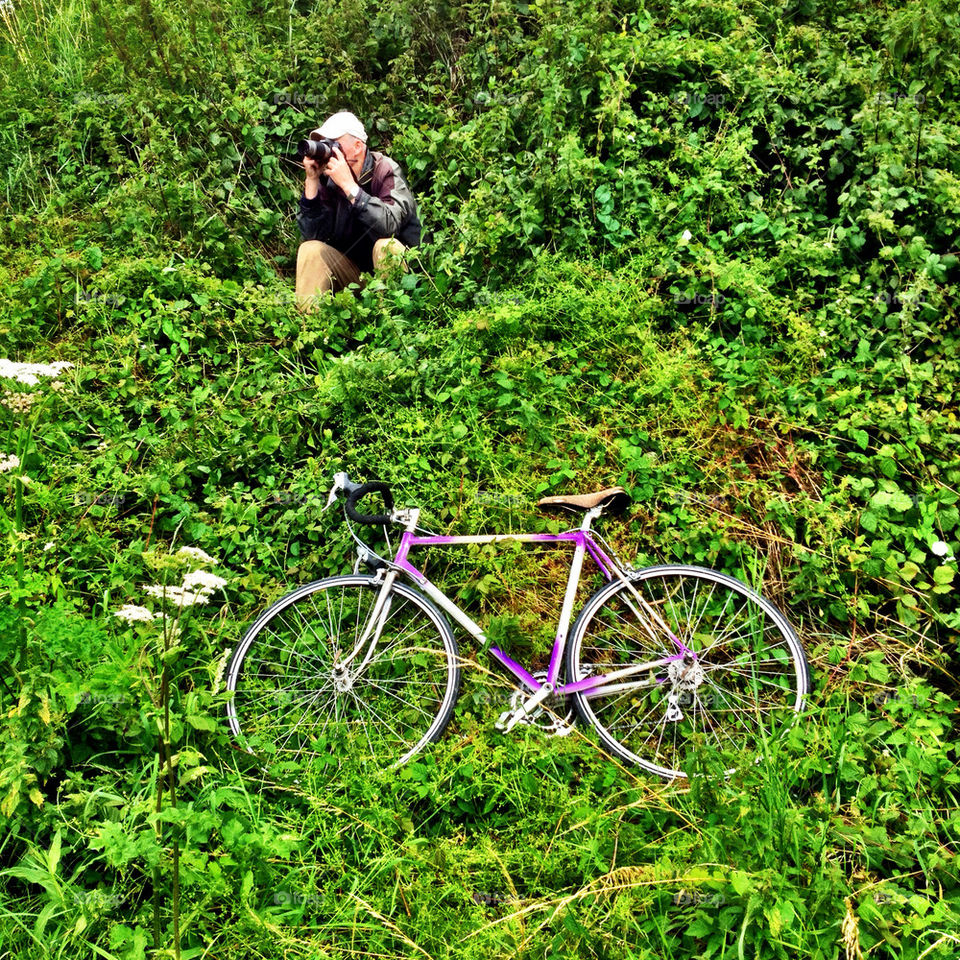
{"x":322,"y":269}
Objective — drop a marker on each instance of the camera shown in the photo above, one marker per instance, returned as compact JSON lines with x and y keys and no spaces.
{"x":319,"y":150}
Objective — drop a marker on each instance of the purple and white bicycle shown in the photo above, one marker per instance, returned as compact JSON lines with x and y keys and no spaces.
{"x":660,"y":661}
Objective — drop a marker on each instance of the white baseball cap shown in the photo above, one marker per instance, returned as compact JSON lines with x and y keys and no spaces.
{"x":339,"y":124}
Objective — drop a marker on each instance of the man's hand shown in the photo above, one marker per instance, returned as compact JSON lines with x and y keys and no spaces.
{"x":338,"y":170}
{"x":312,"y":186}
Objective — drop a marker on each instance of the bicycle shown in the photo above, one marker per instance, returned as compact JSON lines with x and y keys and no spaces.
{"x":659,"y":660}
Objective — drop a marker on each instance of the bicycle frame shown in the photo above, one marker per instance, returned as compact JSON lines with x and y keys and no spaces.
{"x":584,"y":544}
{"x":366,"y":662}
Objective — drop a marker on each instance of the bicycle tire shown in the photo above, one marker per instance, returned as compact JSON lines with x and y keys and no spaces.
{"x":752,"y":667}
{"x":290,"y":703}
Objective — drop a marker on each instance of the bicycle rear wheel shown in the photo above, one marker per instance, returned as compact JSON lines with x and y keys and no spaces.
{"x":748,"y":673}
{"x":298,"y":695}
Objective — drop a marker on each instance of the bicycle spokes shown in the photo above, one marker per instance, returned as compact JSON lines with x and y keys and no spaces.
{"x":741,"y":669}
{"x":337,"y":671}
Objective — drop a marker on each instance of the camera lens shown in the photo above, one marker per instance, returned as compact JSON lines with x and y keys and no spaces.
{"x":319,"y":150}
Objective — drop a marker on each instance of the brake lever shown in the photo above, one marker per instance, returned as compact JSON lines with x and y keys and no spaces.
{"x":340,"y":481}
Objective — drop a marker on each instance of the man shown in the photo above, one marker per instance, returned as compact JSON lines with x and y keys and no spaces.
{"x":357,"y":213}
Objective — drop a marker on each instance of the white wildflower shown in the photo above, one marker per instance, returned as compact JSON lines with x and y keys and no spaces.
{"x":30,"y":373}
{"x":939,"y":549}
{"x":189,"y":598}
{"x":195,"y":553}
{"x":686,"y":235}
{"x":202,"y":581}
{"x":8,"y":462}
{"x":47,"y":547}
{"x":177,"y":595}
{"x":17,"y":402}
{"x":131,"y":613}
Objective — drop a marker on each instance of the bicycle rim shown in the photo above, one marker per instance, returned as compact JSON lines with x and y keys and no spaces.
{"x":748,"y":678}
{"x":296,"y":698}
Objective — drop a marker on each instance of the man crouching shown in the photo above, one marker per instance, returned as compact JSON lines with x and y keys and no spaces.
{"x":357,"y":214}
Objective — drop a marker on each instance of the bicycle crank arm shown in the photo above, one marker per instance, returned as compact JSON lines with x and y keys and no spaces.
{"x":526,"y":708}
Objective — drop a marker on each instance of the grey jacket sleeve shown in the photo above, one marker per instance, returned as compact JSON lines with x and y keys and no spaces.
{"x":384,"y":213}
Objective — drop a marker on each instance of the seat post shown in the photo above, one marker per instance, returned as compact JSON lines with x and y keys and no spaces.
{"x":589,"y":517}
{"x":570,"y":596}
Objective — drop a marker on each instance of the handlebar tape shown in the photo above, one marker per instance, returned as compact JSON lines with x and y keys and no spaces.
{"x":360,"y":491}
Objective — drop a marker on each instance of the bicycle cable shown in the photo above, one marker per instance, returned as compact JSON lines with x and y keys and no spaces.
{"x":610,"y":550}
{"x":365,"y":551}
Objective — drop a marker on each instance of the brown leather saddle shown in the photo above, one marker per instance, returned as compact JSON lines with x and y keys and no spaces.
{"x":614,"y":499}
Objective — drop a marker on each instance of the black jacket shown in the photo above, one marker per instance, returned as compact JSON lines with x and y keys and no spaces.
{"x":385,"y":207}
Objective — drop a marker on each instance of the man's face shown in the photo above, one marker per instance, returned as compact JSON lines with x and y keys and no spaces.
{"x":351,"y":148}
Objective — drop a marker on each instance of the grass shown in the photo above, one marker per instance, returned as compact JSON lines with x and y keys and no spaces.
{"x":792,"y":429}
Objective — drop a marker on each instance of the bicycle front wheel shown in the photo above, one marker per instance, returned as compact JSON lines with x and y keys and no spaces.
{"x":744,"y":674}
{"x":325,"y":673}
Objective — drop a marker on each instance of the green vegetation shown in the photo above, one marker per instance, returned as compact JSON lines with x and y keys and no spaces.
{"x":705,"y":250}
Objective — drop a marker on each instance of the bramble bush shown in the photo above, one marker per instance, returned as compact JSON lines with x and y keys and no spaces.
{"x":708,"y":253}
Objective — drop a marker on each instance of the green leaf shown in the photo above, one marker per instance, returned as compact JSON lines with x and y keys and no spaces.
{"x":741,"y":882}
{"x":200,"y":722}
{"x":701,"y":927}
{"x":45,"y":914}
{"x":943,"y":575}
{"x":900,"y":501}
{"x":94,"y":257}
{"x":878,"y":670}
{"x":53,"y":854}
{"x":908,"y":571}
{"x":269,"y":443}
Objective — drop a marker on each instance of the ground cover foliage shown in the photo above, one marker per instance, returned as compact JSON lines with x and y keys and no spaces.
{"x":705,"y":250}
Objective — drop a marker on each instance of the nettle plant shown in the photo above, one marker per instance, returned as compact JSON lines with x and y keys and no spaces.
{"x":164,"y":631}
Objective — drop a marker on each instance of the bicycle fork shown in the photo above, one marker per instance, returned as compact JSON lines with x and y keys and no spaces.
{"x":343,"y":675}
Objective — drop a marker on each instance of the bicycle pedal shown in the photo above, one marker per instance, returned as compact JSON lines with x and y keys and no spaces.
{"x":510,"y":718}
